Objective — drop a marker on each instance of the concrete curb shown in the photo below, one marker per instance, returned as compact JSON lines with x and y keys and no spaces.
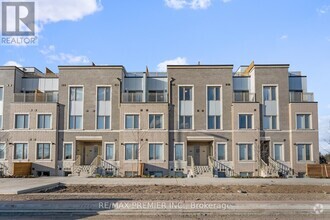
{"x":38,"y":188}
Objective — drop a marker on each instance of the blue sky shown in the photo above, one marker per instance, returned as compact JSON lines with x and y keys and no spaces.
{"x":151,"y":32}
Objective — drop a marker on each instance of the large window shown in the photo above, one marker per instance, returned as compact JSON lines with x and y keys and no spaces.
{"x":131,"y":151}
{"x":304,"y":152}
{"x":213,"y":93}
{"x":303,"y":121}
{"x":44,"y":121}
{"x":269,"y":93}
{"x":103,"y":94}
{"x":185,"y":93}
{"x":76,"y":94}
{"x":185,"y":122}
{"x":178,"y":152}
{"x":43,"y":151}
{"x":21,"y":151}
{"x":67,"y":151}
{"x":214,"y":122}
{"x":22,"y":121}
{"x":278,"y":152}
{"x":75,"y":122}
{"x":245,"y":121}
{"x":270,"y":122}
{"x":221,"y":152}
{"x":103,"y":122}
{"x":131,"y":121}
{"x":109,"y":152}
{"x":156,"y":152}
{"x":155,"y":121}
{"x":245,"y":152}
{"x":2,"y":151}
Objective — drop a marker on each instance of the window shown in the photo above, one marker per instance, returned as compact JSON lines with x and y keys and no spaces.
{"x":131,"y":121}
{"x":133,"y":96}
{"x":44,"y":121}
{"x":245,"y":121}
{"x":76,"y":94}
{"x":245,"y":152}
{"x":270,"y":122}
{"x":185,"y":122}
{"x":221,"y":152}
{"x":2,"y":151}
{"x":131,"y":151}
{"x":214,"y":122}
{"x":22,"y":121}
{"x":304,"y":152}
{"x":43,"y":151}
{"x":155,"y":121}
{"x":185,"y":93}
{"x":103,"y":122}
{"x":20,"y":151}
{"x":303,"y":121}
{"x":103,"y":94}
{"x":269,"y":93}
{"x":68,"y":151}
{"x":1,"y":94}
{"x":155,"y":151}
{"x":278,"y":152}
{"x":109,"y":152}
{"x":0,"y":121}
{"x":75,"y":122}
{"x":178,"y":155}
{"x":213,"y":93}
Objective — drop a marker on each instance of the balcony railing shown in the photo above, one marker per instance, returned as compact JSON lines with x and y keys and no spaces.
{"x":244,"y":97}
{"x":157,"y":97}
{"x":301,"y":97}
{"x":138,"y":97}
{"x":132,"y":97}
{"x":36,"y":97}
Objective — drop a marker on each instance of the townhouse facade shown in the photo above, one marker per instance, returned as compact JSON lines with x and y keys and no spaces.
{"x":191,"y":120}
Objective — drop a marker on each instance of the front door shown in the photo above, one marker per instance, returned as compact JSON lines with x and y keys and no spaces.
{"x":197,"y":151}
{"x":264,"y":151}
{"x":90,"y":153}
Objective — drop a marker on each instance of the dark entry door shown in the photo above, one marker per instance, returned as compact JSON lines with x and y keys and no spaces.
{"x":196,"y":156}
{"x":264,"y":151}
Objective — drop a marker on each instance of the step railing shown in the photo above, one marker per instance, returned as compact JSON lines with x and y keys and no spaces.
{"x":109,"y":167}
{"x":280,"y":167}
{"x":95,"y":164}
{"x":218,"y":166}
{"x":76,"y":164}
{"x":267,"y":169}
{"x":3,"y":170}
{"x":192,"y":165}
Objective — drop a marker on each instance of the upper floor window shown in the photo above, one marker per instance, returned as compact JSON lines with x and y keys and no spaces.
{"x":270,"y":122}
{"x":245,"y":121}
{"x":157,"y":96}
{"x":22,"y":121}
{"x":185,"y":122}
{"x":303,"y":121}
{"x":269,"y":93}
{"x":155,"y":121}
{"x":213,"y":122}
{"x":1,"y":94}
{"x":245,"y":152}
{"x":213,"y":93}
{"x":131,"y":121}
{"x":103,"y":94}
{"x":75,"y":122}
{"x":178,"y":152}
{"x":185,"y":93}
{"x":44,"y":121}
{"x":156,"y":151}
{"x":76,"y":94}
{"x":2,"y":151}
{"x":68,"y":151}
{"x":43,"y":151}
{"x":304,"y":152}
{"x":21,"y":151}
{"x":103,"y":122}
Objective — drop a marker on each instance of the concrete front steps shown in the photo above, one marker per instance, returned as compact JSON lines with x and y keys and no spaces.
{"x":203,"y":171}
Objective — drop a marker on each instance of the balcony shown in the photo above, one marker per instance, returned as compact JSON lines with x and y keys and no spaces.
{"x":244,"y":97}
{"x":36,"y":97}
{"x":301,"y":97}
{"x":157,"y":97}
{"x":132,"y":97}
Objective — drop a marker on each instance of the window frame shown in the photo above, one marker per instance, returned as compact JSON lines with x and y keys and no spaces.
{"x":282,"y":159}
{"x":28,"y":122}
{"x":270,"y":122}
{"x":27,"y":151}
{"x":247,"y":152}
{"x":183,"y":151}
{"x":246,"y":121}
{"x":311,"y":156}
{"x":4,"y":151}
{"x":270,"y":93}
{"x":114,"y":151}
{"x":162,"y":120}
{"x":50,"y":122}
{"x":132,"y":114}
{"x":50,"y":151}
{"x":310,"y":120}
{"x":69,"y":107}
{"x":72,"y":152}
{"x":138,"y":152}
{"x":193,"y":107}
{"x":217,"y":150}
{"x":97,"y":108}
{"x":162,"y":151}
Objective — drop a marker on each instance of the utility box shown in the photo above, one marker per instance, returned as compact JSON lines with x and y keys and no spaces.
{"x":22,"y":169}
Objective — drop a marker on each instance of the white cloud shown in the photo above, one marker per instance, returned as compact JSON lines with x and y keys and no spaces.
{"x":12,"y":63}
{"x":284,"y":37}
{"x":62,"y":58}
{"x":162,"y":67}
{"x":323,"y":10}
{"x":193,"y":4}
{"x":226,"y":1}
